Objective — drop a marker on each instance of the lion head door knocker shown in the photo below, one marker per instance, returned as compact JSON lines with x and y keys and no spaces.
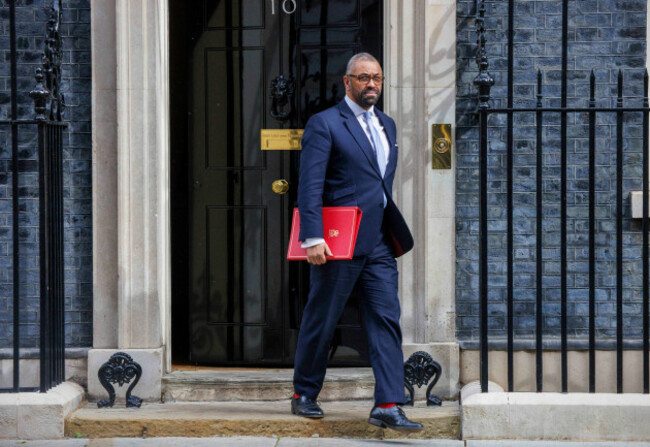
{"x":419,"y":369}
{"x":282,"y":90}
{"x":119,"y":369}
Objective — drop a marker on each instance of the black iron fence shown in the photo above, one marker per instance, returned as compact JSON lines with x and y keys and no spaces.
{"x":48,"y":124}
{"x":484,"y":83}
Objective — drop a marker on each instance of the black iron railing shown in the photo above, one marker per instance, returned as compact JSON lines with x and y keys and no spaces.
{"x":49,"y":125}
{"x":484,"y":82}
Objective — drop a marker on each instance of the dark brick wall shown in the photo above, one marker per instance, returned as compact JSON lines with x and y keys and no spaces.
{"x":605,"y":35}
{"x":31,"y":18}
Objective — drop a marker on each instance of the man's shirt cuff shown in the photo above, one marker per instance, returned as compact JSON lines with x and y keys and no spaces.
{"x":311,"y":241}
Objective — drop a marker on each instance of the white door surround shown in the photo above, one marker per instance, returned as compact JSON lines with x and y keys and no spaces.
{"x":131,"y":225}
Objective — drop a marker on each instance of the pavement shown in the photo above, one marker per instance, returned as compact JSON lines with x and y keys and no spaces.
{"x":301,"y":442}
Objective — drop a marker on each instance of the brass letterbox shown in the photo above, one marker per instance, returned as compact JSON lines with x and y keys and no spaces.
{"x":281,"y":139}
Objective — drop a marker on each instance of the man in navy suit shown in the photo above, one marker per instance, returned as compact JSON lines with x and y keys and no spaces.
{"x":348,"y":158}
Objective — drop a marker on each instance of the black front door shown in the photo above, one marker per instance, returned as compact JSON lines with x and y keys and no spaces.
{"x":245,"y":299}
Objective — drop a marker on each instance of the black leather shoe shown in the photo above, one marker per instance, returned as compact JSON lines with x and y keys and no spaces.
{"x":394,"y":418}
{"x":306,"y":407}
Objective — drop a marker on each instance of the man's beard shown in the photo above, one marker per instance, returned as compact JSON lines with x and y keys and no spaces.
{"x":367,"y":101}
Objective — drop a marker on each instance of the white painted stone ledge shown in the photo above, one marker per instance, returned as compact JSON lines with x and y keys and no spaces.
{"x":557,"y":416}
{"x":39,"y":415}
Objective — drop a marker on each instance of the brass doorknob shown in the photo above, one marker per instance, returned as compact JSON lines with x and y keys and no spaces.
{"x":280,"y":186}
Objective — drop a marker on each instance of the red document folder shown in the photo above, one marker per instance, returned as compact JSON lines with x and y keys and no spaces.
{"x":340,"y":228}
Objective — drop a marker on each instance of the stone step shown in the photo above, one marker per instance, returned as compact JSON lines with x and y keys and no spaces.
{"x":228,"y":384}
{"x":348,"y":419}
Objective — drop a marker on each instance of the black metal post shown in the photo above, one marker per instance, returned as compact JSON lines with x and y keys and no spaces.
{"x":52,"y":334}
{"x":483,"y":248}
{"x":15,"y":198}
{"x":56,"y":240}
{"x":619,"y":235}
{"x":45,"y":265}
{"x":563,"y":182}
{"x":58,"y":217}
{"x":484,"y":83}
{"x":61,"y":256}
{"x":539,"y":241}
{"x":510,"y":179}
{"x":646,"y":179}
{"x":592,"y":234}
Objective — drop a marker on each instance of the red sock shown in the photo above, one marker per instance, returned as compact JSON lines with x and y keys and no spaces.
{"x":388,"y":405}
{"x":296,"y":396}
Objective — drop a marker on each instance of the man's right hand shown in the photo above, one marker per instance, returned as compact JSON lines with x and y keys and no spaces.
{"x":316,"y":254}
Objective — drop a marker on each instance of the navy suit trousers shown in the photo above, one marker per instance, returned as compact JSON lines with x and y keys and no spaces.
{"x":330,"y":287}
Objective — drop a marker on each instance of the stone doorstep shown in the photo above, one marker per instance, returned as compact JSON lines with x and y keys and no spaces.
{"x":39,"y":415}
{"x":556,"y":416}
{"x":347,"y":419}
{"x":220,"y":385}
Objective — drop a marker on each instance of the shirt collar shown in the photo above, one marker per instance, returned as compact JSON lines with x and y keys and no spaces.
{"x":356,"y":108}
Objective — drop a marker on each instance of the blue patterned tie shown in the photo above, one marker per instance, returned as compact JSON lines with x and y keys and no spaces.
{"x":378,"y":147}
{"x":375,"y":140}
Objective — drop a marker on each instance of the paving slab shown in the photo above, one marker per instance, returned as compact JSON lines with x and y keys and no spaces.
{"x":150,"y":442}
{"x":58,"y":443}
{"x":506,"y":443}
{"x":348,"y":419}
{"x":242,"y":441}
{"x":315,"y":442}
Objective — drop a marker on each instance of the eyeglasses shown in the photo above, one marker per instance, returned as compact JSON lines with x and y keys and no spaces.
{"x":364,"y":78}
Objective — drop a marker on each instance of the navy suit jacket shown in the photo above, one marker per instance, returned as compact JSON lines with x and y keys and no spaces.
{"x":338,"y":167}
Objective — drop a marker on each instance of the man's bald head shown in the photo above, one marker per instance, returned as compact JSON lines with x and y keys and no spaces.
{"x":367,"y":57}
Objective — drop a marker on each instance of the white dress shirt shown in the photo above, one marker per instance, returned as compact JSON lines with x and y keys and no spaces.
{"x":358,"y":112}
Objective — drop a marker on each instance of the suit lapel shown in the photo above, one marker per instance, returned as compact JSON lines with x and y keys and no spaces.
{"x":353,"y":126}
{"x":390,"y":135}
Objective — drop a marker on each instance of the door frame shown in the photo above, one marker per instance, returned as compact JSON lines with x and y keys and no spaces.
{"x":386,"y":100}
